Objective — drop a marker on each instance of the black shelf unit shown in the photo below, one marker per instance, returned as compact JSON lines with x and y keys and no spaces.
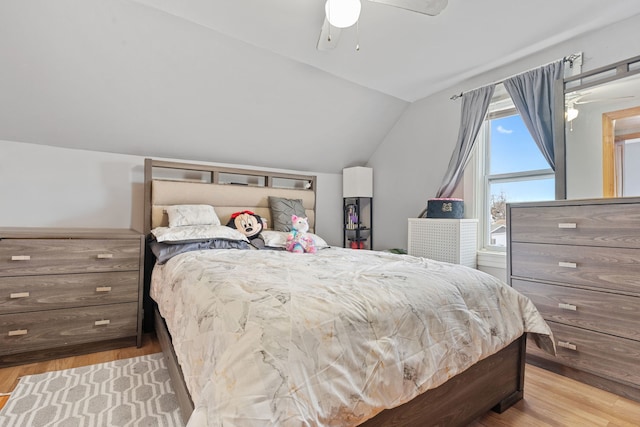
{"x":357,"y":221}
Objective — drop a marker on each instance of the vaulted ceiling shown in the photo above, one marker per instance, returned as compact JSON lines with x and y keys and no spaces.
{"x":241,"y":81}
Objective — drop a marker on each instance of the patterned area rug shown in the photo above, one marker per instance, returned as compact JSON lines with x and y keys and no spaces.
{"x":128,"y":392}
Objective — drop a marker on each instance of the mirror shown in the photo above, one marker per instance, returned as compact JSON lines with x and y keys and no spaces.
{"x":602,"y":133}
{"x":621,"y":152}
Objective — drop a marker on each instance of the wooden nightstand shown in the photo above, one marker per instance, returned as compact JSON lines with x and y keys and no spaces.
{"x":67,"y":291}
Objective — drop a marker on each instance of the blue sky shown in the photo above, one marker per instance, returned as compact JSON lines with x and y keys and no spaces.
{"x":513,"y":150}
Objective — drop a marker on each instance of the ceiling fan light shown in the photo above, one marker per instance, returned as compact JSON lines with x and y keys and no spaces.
{"x":342,"y":13}
{"x":572,"y":113}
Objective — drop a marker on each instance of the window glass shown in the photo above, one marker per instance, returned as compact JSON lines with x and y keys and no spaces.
{"x":523,"y":190}
{"x":513,"y":170}
{"x":512,"y":147}
{"x":501,"y":193}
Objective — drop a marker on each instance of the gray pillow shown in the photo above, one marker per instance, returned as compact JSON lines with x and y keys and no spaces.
{"x":165,"y":251}
{"x":281,"y":211}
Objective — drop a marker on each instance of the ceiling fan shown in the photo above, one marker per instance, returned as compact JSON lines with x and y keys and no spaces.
{"x":341,"y":14}
{"x":573,"y":101}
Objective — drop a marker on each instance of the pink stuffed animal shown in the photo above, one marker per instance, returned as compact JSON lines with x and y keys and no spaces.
{"x":298,"y":240}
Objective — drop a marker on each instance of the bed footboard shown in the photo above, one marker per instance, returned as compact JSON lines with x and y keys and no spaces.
{"x":496,"y":382}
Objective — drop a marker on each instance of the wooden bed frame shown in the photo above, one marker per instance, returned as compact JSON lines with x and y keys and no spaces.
{"x":496,"y":382}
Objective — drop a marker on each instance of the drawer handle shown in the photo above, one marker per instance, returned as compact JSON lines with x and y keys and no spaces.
{"x":103,"y":289}
{"x":102,"y":322}
{"x":567,"y":264}
{"x":18,"y":332}
{"x":19,"y":295}
{"x":567,"y":345}
{"x":105,"y":256}
{"x":21,"y":258}
{"x":565,"y":306}
{"x":567,"y":225}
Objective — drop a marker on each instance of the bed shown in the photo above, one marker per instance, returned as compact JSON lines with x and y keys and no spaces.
{"x":340,"y":337}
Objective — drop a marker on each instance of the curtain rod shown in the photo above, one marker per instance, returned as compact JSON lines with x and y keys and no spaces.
{"x":569,"y":58}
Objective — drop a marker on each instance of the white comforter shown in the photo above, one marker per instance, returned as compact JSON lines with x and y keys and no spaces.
{"x":270,"y":338}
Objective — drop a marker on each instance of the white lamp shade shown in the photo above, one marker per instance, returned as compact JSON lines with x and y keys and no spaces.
{"x":342,"y":13}
{"x":357,"y":182}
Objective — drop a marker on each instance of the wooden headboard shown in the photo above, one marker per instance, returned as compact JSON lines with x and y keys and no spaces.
{"x":228,"y":190}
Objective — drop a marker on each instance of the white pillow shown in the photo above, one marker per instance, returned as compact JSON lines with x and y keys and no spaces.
{"x":182,"y":215}
{"x":197,"y":232}
{"x":278,"y":239}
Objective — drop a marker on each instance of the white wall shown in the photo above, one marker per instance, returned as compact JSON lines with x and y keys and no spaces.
{"x":631,"y":170}
{"x":408,"y":167}
{"x":56,"y":187}
{"x":409,"y":164}
{"x":42,"y":186}
{"x":122,"y":77}
{"x":46,"y":186}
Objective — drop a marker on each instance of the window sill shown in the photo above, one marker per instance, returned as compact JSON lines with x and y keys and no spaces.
{"x":492,"y":259}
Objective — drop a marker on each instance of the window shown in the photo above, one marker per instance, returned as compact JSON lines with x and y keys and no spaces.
{"x":512,"y":169}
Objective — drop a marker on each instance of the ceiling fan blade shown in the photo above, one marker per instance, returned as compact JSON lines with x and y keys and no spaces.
{"x":603,"y":99}
{"x":329,"y":36}
{"x":427,"y":7}
{"x":576,"y":96}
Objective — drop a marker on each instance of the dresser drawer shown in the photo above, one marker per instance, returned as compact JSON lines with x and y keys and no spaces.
{"x":615,"y":225}
{"x":21,"y":257}
{"x":32,"y":293}
{"x":611,"y":268}
{"x":600,"y":354}
{"x":58,"y":328}
{"x":599,"y":311}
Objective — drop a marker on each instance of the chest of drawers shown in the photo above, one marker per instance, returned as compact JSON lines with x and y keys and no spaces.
{"x":68,"y":291}
{"x":579,"y":262}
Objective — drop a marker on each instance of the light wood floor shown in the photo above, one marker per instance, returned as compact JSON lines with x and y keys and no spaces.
{"x":550,"y":400}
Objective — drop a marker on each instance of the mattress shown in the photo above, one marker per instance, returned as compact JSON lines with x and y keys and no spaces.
{"x":272,"y":338}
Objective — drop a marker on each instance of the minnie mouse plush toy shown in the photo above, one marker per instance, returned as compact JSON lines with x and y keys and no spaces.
{"x":249,"y":224}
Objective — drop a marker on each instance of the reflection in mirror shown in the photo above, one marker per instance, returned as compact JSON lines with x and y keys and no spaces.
{"x":620,"y":152}
{"x":602,"y":139}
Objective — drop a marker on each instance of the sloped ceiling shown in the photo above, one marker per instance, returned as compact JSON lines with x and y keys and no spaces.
{"x":241,"y":81}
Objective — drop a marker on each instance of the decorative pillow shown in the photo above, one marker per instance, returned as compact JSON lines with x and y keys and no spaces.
{"x":278,"y":239}
{"x":281,"y":211}
{"x":182,"y":215}
{"x":194,"y":233}
{"x":319,"y":241}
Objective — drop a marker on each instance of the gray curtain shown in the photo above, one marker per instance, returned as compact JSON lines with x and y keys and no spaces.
{"x":532,"y":93}
{"x":474,"y":108}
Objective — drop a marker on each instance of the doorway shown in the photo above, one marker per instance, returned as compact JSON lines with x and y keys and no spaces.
{"x":619,"y":128}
